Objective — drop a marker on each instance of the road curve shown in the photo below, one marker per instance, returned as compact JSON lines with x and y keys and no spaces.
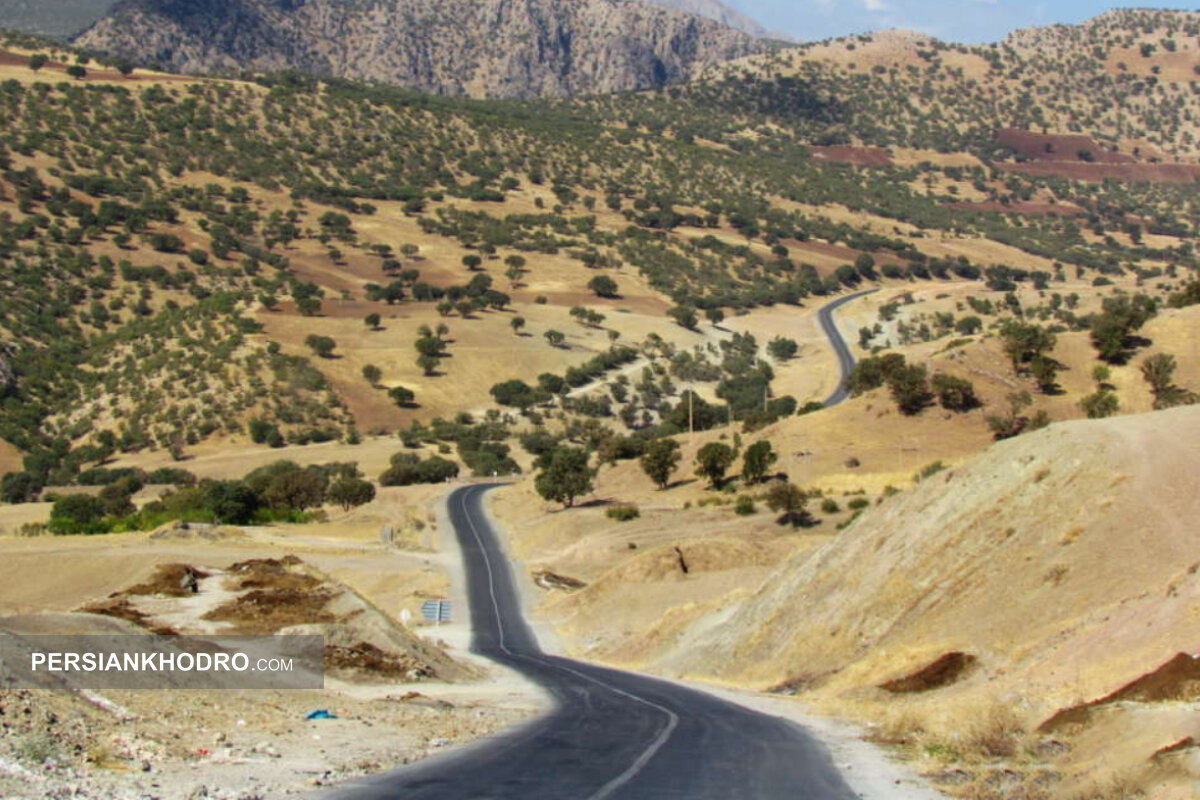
{"x":840,"y":348}
{"x":612,"y":735}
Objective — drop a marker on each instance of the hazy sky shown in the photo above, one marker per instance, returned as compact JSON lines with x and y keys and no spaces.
{"x":971,"y":21}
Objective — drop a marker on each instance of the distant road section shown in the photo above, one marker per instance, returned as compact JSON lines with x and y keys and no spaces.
{"x":844,"y":356}
{"x":612,"y":734}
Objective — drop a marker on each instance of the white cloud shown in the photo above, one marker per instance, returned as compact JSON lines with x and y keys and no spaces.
{"x":875,"y":5}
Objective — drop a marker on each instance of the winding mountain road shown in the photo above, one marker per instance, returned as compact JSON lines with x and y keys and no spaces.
{"x":611,"y":734}
{"x":840,"y":348}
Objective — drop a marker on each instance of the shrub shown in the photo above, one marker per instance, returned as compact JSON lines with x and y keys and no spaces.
{"x":830,"y":506}
{"x":623,"y":513}
{"x":407,"y":469}
{"x":744,"y":506}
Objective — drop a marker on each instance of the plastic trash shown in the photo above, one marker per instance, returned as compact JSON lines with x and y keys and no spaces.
{"x":320,"y":714}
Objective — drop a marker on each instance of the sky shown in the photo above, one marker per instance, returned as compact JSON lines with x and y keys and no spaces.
{"x":967,"y":21}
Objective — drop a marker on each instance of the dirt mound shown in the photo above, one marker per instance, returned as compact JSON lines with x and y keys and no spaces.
{"x":264,"y":611}
{"x":121,"y":608}
{"x":272,"y":574}
{"x":170,"y":580}
{"x":943,"y":671}
{"x":1178,"y":679}
{"x":367,"y":659}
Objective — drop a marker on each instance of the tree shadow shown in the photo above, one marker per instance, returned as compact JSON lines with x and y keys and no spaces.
{"x":598,"y":502}
{"x":679,"y":483}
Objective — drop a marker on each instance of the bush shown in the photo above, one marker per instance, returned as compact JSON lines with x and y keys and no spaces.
{"x":744,"y":506}
{"x":858,"y":503}
{"x":623,"y":513}
{"x":955,"y":394}
{"x":830,"y":506}
{"x":407,"y":469}
{"x":77,"y":513}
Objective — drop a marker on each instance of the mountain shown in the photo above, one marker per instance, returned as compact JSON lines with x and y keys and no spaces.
{"x":712,"y":9}
{"x":478,"y":48}
{"x":57,"y":18}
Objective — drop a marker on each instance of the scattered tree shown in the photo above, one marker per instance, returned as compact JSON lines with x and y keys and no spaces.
{"x":351,"y":492}
{"x":759,"y":458}
{"x":713,"y":461}
{"x":660,"y":460}
{"x":566,"y":476}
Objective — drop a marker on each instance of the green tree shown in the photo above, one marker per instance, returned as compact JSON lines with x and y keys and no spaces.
{"x":659,"y":461}
{"x":1024,"y":341}
{"x":603,"y":286}
{"x":518,"y":394}
{"x":298,"y":489}
{"x":555,"y":338}
{"x":955,"y":394}
{"x":19,"y":487}
{"x":402,"y":396}
{"x":566,"y":476}
{"x":472,"y":262}
{"x":231,"y":502}
{"x":1158,"y":370}
{"x":1005,"y":426}
{"x":351,"y":492}
{"x":516,"y":323}
{"x":1045,"y":372}
{"x":308,"y":306}
{"x":909,"y":386}
{"x":428,"y":364}
{"x":713,"y":461}
{"x":1100,"y":404}
{"x":75,"y":513}
{"x":759,"y":458}
{"x":372,"y":374}
{"x":372,"y":321}
{"x":77,"y":71}
{"x":782,"y":349}
{"x":37,"y":61}
{"x":323,"y":346}
{"x":789,"y":501}
{"x":684,"y":316}
{"x":715,"y":315}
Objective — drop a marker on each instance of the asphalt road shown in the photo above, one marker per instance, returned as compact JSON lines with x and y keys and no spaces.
{"x":612,"y":734}
{"x":844,"y":356}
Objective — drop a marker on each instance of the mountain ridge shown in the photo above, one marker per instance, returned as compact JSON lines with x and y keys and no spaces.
{"x":509,"y":49}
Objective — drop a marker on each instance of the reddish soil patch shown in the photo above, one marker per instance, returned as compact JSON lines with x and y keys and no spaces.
{"x":1054,"y":147}
{"x":10,"y":59}
{"x":1028,"y":209}
{"x":858,"y":156}
{"x":1178,"y":679}
{"x":1096,"y":173}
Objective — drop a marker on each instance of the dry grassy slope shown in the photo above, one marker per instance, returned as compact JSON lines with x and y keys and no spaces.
{"x":1061,"y":559}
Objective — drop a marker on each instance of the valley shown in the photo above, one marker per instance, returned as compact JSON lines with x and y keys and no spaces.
{"x":270,"y":295}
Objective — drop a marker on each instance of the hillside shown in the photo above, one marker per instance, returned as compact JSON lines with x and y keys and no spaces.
{"x":1059,"y":563}
{"x":531,"y":48}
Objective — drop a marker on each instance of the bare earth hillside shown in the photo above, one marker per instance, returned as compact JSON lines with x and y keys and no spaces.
{"x":1060,"y":563}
